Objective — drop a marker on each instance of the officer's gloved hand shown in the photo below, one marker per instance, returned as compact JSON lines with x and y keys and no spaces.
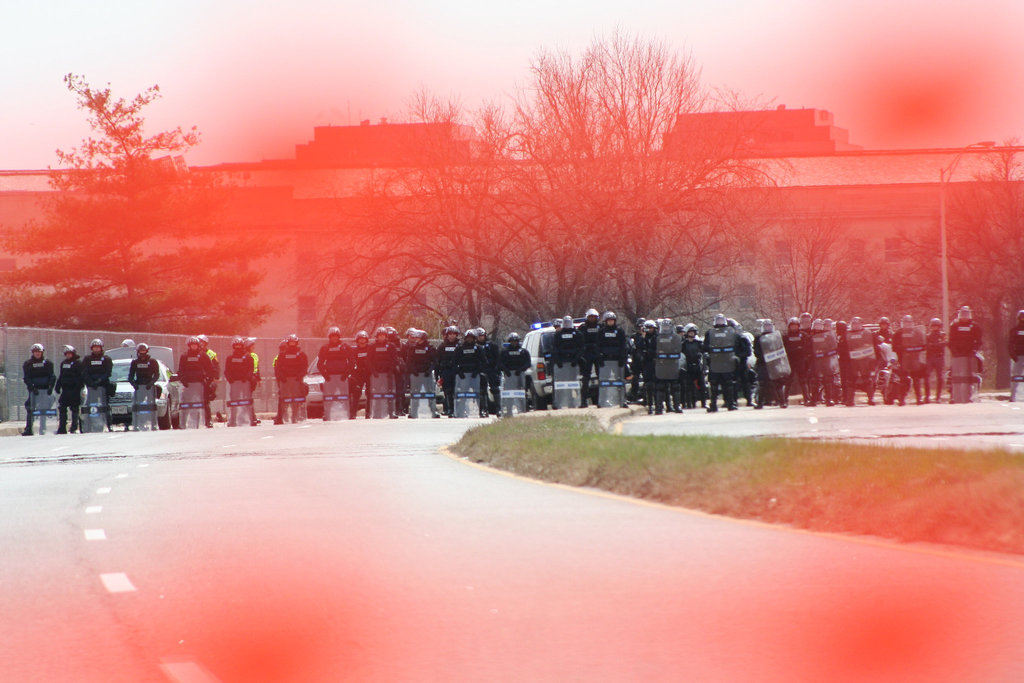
{"x":519,"y":373}
{"x":462,"y":375}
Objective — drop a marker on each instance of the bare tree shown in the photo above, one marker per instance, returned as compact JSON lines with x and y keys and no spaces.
{"x":986,"y":247}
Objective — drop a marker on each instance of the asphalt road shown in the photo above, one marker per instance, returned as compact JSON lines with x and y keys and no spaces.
{"x":356,"y":551}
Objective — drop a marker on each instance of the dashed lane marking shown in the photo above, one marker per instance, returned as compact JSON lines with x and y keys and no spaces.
{"x":121,"y":476}
{"x":187,"y":672}
{"x":813,"y":420}
{"x":117,"y":582}
{"x":60,"y":448}
{"x":266,"y":437}
{"x":95,"y":535}
{"x":143,"y":465}
{"x":94,"y":509}
{"x":103,"y":491}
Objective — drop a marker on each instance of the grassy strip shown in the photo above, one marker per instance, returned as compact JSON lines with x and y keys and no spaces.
{"x":967,"y":498}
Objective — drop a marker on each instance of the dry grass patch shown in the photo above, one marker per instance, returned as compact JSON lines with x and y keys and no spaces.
{"x":968,"y":498}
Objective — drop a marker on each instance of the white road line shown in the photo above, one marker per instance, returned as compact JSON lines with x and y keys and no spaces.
{"x":95,"y":535}
{"x":103,"y":491}
{"x":121,"y":476}
{"x":266,"y":437}
{"x":145,"y":464}
{"x":187,"y":672}
{"x":117,"y":583}
{"x":229,"y":445}
{"x":94,"y":509}
{"x":60,"y":448}
{"x":813,"y":420}
{"x":305,"y":426}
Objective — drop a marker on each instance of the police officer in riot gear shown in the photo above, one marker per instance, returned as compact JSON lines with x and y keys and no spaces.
{"x":964,"y":345}
{"x":490,"y":377}
{"x":359,"y":374}
{"x":796,"y":350}
{"x":447,"y":355}
{"x":935,"y":359}
{"x":694,"y":385}
{"x":744,"y":385}
{"x":648,"y":357}
{"x":590,"y":356}
{"x":910,"y":354}
{"x":69,"y":385}
{"x":96,"y":370}
{"x":612,"y":347}
{"x":37,"y":373}
{"x":720,"y":344}
{"x":470,"y":361}
{"x":240,"y":366}
{"x":862,"y":349}
{"x":143,"y":371}
{"x":334,"y":361}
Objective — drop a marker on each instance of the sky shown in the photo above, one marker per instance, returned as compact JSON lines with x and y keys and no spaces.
{"x":256,"y":77}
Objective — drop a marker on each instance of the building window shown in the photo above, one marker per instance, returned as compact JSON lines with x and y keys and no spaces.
{"x":746,"y":297}
{"x":712,"y":298}
{"x":893,"y":249}
{"x":307,"y":309}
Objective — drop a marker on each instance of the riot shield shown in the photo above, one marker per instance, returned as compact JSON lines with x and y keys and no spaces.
{"x":962,"y":379}
{"x":94,"y":410}
{"x":192,"y":414}
{"x":722,"y":346}
{"x":668,"y":349}
{"x":240,"y":404}
{"x":293,"y":400}
{"x":567,"y":391}
{"x":144,"y":409}
{"x":422,"y":395}
{"x":862,"y":352}
{"x":513,"y":395}
{"x":826,"y":359}
{"x":382,"y":395}
{"x":44,"y":415}
{"x":611,"y":387}
{"x":1016,"y":378}
{"x":775,"y":359}
{"x":336,"y":400}
{"x":467,"y":395}
{"x":913,"y":357}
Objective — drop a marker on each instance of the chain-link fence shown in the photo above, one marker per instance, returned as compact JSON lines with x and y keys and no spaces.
{"x":17,"y":341}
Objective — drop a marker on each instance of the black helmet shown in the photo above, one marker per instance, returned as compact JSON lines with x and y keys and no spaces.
{"x":68,"y":348}
{"x":292,"y":339}
{"x":513,"y":337}
{"x":333,"y":330}
{"x":451,"y":329}
{"x":37,"y":347}
{"x":237,"y":342}
{"x":362,"y":334}
{"x":142,"y":347}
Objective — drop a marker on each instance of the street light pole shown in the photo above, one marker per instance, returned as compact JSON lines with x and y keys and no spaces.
{"x":945,"y":174}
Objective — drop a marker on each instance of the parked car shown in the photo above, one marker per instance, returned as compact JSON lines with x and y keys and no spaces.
{"x":168,"y":395}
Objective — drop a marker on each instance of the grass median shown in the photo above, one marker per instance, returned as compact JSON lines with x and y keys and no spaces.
{"x":973,"y":499}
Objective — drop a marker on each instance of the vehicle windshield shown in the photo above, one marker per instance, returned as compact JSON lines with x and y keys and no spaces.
{"x":120,"y":372}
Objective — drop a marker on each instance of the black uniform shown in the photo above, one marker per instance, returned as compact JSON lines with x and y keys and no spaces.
{"x":935,"y":362}
{"x":447,"y":353}
{"x":490,"y":378}
{"x":590,"y":358}
{"x":69,"y":385}
{"x":722,"y":340}
{"x":240,"y":367}
{"x":143,"y":372}
{"x":359,"y":378}
{"x":38,"y":375}
{"x":695,"y":386}
{"x":514,"y":360}
{"x":470,"y":360}
{"x":96,"y":371}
